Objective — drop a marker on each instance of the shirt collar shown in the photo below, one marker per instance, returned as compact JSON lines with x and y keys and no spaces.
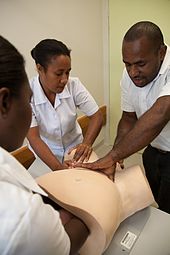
{"x":166,"y":61}
{"x":41,"y":98}
{"x":38,"y":93}
{"x":64,"y":94}
{"x":164,"y":66}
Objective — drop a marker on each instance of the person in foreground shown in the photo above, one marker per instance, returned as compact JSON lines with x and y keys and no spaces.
{"x":145,"y":103}
{"x":28,"y":225}
{"x":56,"y":97}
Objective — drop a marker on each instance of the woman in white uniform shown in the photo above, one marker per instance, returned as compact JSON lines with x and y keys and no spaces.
{"x":28,"y":225}
{"x":56,"y":97}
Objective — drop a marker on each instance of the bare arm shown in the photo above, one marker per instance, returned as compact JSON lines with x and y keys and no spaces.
{"x":144,"y":131}
{"x":126,"y":123}
{"x":94,"y":128}
{"x":78,"y":233}
{"x":84,"y":149}
{"x":42,"y":150}
{"x":75,"y":228}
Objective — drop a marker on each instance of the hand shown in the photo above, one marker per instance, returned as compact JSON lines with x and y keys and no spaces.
{"x":62,"y":166}
{"x":69,"y":163}
{"x":83,"y":152}
{"x":105,"y":165}
{"x":65,"y":216}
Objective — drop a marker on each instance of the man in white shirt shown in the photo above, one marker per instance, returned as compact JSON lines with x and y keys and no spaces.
{"x":146,"y":109}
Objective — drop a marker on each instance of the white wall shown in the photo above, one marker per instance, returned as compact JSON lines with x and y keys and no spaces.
{"x":78,"y":23}
{"x":122,"y":15}
{"x":81,"y":24}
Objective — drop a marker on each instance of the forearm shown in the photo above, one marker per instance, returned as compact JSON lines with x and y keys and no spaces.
{"x":144,"y":131}
{"x":94,"y":127}
{"x":45,"y":154}
{"x":126,"y":123}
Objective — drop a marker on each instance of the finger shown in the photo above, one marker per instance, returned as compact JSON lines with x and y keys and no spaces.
{"x":88,"y":154}
{"x":78,"y":154}
{"x":97,"y":165}
{"x":68,"y":163}
{"x":121,"y":165}
{"x":92,"y":166}
{"x":110,"y":172}
{"x":65,"y":216}
{"x":100,"y":164}
{"x":84,"y":155}
{"x":82,"y":158}
{"x":71,"y":149}
{"x":111,"y":177}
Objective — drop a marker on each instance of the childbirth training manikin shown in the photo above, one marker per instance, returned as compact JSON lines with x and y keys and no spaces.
{"x":101,"y":203}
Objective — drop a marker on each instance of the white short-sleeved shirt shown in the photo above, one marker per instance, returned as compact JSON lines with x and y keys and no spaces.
{"x":58,"y":125}
{"x":139,"y":100}
{"x":27,"y":225}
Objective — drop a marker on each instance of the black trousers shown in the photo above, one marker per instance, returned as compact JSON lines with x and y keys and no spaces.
{"x":157,"y":168}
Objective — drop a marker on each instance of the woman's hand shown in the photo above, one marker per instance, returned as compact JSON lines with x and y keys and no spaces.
{"x":69,"y":163}
{"x":82,"y":153}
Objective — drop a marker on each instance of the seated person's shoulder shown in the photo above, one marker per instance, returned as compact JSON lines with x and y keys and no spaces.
{"x":24,"y":216}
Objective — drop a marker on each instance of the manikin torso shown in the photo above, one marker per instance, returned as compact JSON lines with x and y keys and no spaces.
{"x":99,"y":202}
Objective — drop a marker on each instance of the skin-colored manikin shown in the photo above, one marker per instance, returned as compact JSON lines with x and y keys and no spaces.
{"x":99,"y":202}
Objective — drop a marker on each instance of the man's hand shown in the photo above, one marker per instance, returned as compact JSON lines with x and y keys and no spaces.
{"x":82,"y":153}
{"x":105,"y":165}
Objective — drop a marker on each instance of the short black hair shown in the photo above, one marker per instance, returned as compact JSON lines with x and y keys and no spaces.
{"x":12,"y":67}
{"x":48,"y":48}
{"x":148,"y":29}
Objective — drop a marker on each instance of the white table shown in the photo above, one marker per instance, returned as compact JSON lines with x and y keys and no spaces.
{"x":151,"y":227}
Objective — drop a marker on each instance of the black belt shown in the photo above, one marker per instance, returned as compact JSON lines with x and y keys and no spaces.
{"x":164,"y":152}
{"x":161,"y":151}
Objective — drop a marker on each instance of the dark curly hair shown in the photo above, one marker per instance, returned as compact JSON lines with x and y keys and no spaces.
{"x":148,"y":29}
{"x":12,"y":67}
{"x":47,"y":49}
